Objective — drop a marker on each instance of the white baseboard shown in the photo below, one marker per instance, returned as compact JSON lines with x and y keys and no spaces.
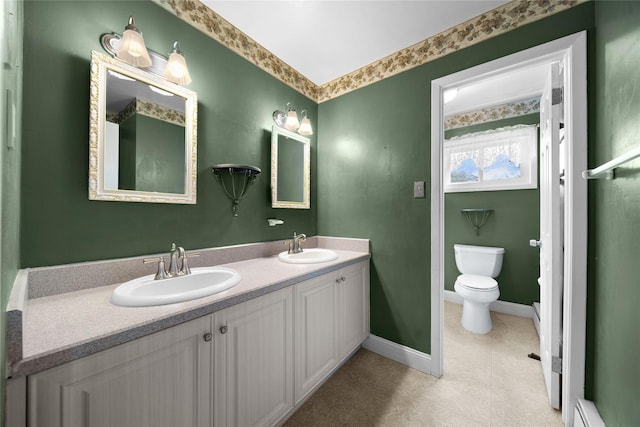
{"x":505,"y":307}
{"x":400,"y":353}
{"x":586,"y":415}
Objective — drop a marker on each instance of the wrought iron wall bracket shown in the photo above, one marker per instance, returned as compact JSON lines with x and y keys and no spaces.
{"x":235,"y":180}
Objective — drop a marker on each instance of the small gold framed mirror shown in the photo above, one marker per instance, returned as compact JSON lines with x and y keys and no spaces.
{"x":290,"y":169}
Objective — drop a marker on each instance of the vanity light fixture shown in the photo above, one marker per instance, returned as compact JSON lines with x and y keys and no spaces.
{"x":132,"y":48}
{"x":289,"y":120}
{"x":176,"y":69}
{"x":305,"y":125}
{"x":292,"y":122}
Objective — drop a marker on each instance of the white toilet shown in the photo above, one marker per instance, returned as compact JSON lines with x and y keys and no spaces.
{"x":478,"y":265}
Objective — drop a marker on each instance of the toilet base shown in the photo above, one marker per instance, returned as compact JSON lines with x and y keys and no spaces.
{"x":475,"y":309}
{"x":476,"y":317}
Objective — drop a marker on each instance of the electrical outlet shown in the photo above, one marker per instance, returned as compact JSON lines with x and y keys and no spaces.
{"x":418,"y":190}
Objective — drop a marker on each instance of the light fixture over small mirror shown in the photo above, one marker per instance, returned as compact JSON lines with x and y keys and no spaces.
{"x":289,"y":120}
{"x":131,"y":49}
{"x":176,"y":69}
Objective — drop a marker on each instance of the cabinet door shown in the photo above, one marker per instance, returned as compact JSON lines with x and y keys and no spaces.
{"x":163,"y":379}
{"x":353,"y":296}
{"x":254,"y":361}
{"x":316,"y":329}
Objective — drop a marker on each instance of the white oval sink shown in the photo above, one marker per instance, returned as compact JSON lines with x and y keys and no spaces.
{"x":308,"y":256}
{"x":203,"y":281}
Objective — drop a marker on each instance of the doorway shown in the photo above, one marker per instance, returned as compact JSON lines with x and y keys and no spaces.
{"x":569,"y":51}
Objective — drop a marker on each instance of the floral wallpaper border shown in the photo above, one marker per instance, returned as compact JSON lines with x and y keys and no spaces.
{"x":199,"y":16}
{"x":490,"y":24}
{"x":149,"y":109}
{"x":160,"y":112}
{"x":490,"y":114}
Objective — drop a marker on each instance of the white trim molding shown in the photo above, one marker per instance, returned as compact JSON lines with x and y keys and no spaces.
{"x":505,"y":307}
{"x":400,"y":353}
{"x":571,"y":52}
{"x":586,"y":415}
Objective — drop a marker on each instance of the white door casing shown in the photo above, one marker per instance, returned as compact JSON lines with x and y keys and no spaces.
{"x":551,"y":239}
{"x":571,"y":52}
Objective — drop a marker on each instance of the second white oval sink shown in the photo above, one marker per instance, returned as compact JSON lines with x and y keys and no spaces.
{"x":203,"y":281}
{"x":308,"y":256}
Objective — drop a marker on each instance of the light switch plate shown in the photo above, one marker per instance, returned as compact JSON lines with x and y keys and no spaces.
{"x":418,"y":190}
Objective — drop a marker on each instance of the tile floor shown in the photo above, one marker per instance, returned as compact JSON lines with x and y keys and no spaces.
{"x":488,"y":380}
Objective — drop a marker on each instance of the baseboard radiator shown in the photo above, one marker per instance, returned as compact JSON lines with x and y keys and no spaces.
{"x":586,"y":415}
{"x":536,"y":316}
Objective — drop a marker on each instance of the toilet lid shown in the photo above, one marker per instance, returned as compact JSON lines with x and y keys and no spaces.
{"x":473,"y":281}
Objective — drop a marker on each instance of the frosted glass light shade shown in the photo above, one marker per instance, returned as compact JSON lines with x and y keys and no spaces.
{"x":305,"y":127}
{"x":292,"y":122}
{"x":132,"y":48}
{"x":176,"y":69}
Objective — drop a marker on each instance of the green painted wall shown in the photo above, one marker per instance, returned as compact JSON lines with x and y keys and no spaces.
{"x":515,"y":220}
{"x":613,"y":373}
{"x":235,"y":104}
{"x":374,"y":142}
{"x":11,"y":24}
{"x":160,"y":155}
{"x":127,"y":153}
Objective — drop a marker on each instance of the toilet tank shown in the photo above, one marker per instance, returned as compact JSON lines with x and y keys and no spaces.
{"x":480,"y":260}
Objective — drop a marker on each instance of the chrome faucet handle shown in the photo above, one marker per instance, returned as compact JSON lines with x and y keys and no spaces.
{"x":184,"y":268}
{"x":162,"y":271}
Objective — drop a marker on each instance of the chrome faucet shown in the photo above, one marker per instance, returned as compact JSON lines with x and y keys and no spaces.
{"x":177,"y":253}
{"x":173,"y":263}
{"x":295,"y":246}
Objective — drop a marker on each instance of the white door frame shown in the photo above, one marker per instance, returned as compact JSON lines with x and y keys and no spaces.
{"x":572,"y":51}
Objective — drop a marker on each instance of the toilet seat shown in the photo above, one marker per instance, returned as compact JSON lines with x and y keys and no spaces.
{"x":476,"y":283}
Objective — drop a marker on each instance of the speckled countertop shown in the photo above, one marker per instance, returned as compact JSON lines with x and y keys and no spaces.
{"x":60,"y":328}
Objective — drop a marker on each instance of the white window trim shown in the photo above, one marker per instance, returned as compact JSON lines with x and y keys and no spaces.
{"x":480,"y":140}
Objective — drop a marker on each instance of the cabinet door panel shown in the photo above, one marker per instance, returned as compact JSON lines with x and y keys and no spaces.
{"x":316,"y":329}
{"x":160,"y":380}
{"x":254,"y":361}
{"x":353,"y":294}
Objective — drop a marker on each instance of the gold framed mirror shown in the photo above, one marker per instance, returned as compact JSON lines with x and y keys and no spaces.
{"x":290,"y":169}
{"x":142,"y":136}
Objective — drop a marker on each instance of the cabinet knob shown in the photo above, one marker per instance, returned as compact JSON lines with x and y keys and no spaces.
{"x":342,"y":279}
{"x":223,"y":329}
{"x":207,"y":337}
{"x":338,"y":280}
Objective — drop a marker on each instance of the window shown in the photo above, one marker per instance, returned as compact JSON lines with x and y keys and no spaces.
{"x":503,"y":159}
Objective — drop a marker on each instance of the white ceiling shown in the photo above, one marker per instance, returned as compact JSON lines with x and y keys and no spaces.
{"x":327,"y":39}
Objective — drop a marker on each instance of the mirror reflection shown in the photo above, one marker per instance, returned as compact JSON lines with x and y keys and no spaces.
{"x":145,"y":136}
{"x":290,"y":169}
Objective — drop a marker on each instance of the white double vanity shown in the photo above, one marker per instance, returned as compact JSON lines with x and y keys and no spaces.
{"x":248,"y":356}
